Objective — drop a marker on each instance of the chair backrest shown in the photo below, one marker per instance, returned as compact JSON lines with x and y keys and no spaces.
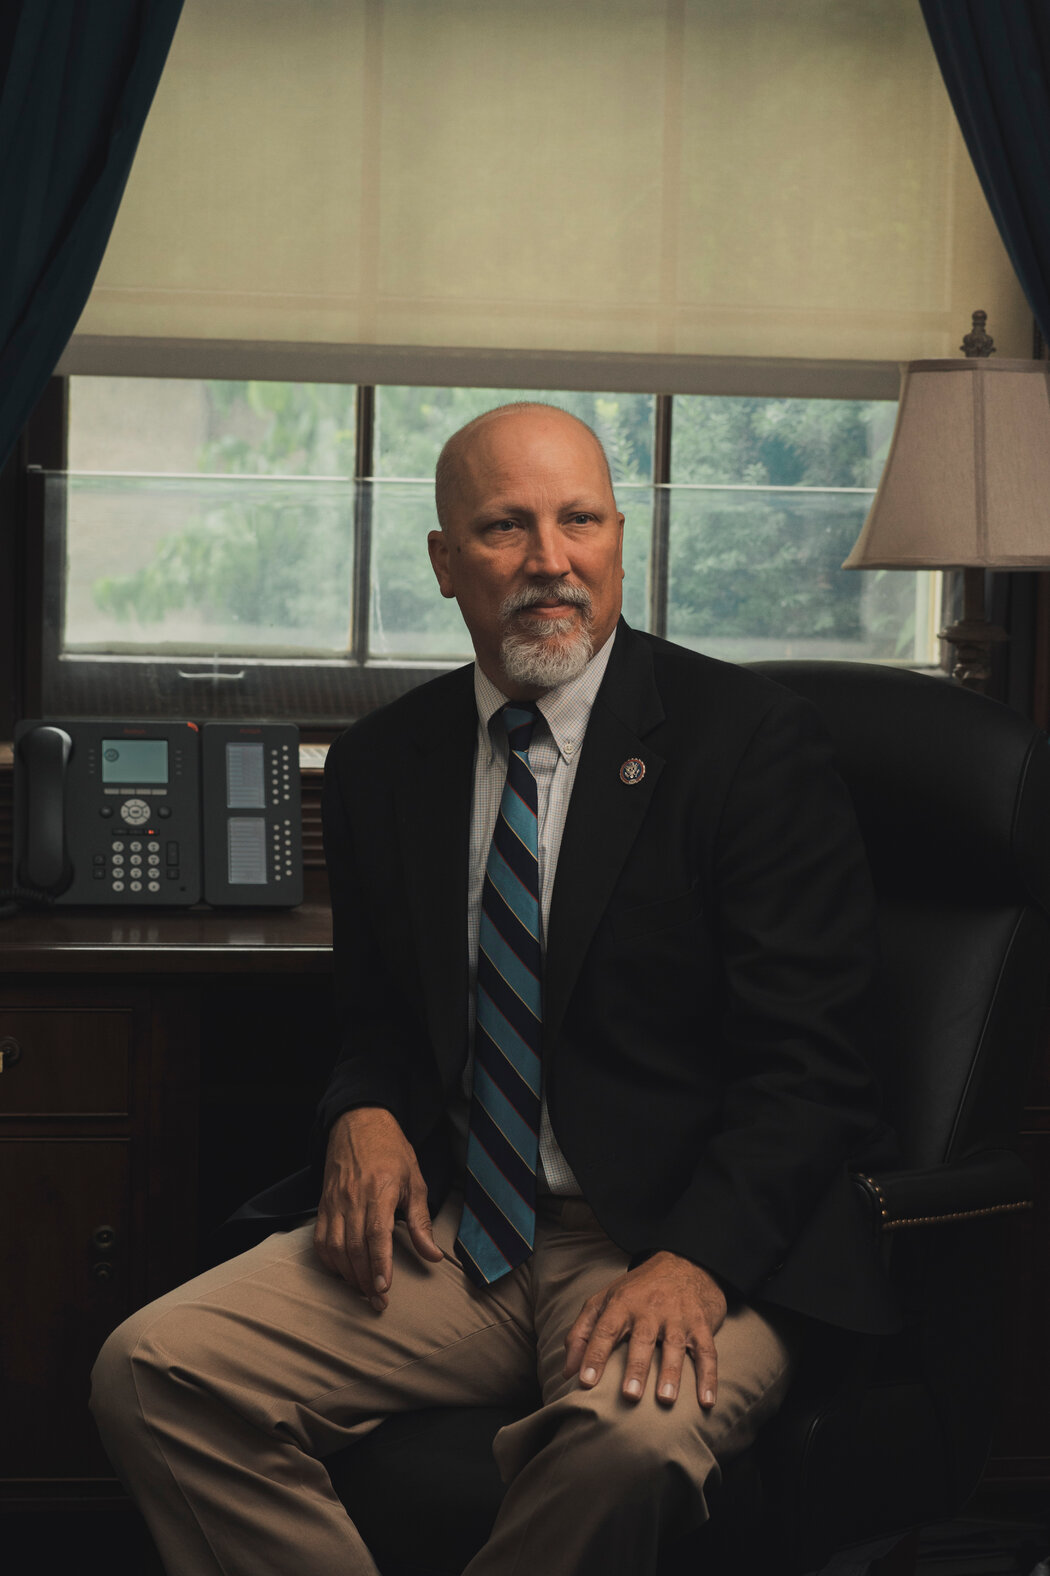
{"x":952,"y":792}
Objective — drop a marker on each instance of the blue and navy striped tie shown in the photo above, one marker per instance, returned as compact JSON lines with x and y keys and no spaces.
{"x":497,"y":1228}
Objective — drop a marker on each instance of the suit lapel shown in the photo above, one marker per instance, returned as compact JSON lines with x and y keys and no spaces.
{"x":433,"y":812}
{"x":604,"y":817}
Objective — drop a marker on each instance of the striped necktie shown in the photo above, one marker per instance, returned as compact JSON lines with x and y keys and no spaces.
{"x":497,"y":1227}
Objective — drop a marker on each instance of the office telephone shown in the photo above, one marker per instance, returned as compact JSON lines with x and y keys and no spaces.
{"x":158,"y":813}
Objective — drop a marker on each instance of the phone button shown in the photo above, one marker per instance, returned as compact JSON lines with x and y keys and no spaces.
{"x":172,"y":875}
{"x":106,"y":812}
{"x":164,"y":812}
{"x":154,"y":886}
{"x":118,"y":886}
{"x":135,"y":886}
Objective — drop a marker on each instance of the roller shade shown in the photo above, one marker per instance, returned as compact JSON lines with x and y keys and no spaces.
{"x":648,"y":177}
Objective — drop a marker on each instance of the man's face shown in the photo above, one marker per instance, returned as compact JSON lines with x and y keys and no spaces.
{"x":532,"y":550}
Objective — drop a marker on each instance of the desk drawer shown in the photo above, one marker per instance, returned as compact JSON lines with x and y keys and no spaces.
{"x":64,"y":1061}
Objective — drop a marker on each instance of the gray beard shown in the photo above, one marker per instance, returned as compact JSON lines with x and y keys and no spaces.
{"x":543,"y":661}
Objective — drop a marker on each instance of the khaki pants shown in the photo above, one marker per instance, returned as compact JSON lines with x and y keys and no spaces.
{"x":218,"y":1403}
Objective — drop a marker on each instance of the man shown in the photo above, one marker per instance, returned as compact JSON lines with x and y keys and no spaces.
{"x":591,"y":1130}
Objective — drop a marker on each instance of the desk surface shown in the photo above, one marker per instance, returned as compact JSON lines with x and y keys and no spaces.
{"x":196,"y":940}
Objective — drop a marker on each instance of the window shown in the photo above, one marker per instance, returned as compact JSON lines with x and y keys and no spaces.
{"x":253,"y":548}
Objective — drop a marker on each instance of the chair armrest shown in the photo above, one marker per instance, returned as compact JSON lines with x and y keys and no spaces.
{"x":995,"y":1182}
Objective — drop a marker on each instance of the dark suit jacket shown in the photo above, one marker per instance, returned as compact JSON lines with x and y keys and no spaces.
{"x":708,"y":962}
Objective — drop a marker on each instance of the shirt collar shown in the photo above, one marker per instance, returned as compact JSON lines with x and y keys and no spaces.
{"x":566,"y":708}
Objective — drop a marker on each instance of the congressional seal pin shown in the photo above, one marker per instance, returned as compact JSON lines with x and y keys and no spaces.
{"x":632,"y":771}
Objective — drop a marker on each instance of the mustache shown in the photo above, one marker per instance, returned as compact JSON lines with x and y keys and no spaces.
{"x":551,"y":591}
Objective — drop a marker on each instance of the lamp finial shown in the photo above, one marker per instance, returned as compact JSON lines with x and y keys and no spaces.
{"x":977,"y":342}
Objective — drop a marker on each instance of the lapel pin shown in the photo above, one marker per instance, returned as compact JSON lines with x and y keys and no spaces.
{"x":632,"y":771}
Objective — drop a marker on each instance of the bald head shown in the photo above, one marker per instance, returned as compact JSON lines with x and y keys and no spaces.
{"x":448,"y":475}
{"x":530,"y":544}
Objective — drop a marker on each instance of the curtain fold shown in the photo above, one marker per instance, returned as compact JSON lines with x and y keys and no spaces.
{"x":77,"y":78}
{"x":995,"y":60}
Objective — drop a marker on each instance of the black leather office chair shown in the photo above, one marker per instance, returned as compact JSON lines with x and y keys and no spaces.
{"x":876,"y":1436}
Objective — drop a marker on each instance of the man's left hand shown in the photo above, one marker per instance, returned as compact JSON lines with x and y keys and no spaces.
{"x":668,"y":1300}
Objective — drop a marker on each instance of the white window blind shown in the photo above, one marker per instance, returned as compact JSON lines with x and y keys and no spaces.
{"x":656,"y":178}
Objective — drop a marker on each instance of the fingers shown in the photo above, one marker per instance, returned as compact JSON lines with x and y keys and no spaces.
{"x":658,"y":1305}
{"x":672,"y":1360}
{"x":378,"y":1248}
{"x":580,"y":1333}
{"x":370,"y":1172}
{"x":358,"y":1245}
{"x":417,"y":1219}
{"x":640,"y":1350}
{"x":706,"y":1360}
{"x":608,"y":1332}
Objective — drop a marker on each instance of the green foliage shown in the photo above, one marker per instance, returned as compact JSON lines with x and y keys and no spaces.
{"x":766,"y":565}
{"x":413,"y":424}
{"x":276,"y":560}
{"x":743,"y":564}
{"x":780,"y":443}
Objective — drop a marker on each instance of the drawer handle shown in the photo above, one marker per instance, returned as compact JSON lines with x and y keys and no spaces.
{"x":10,"y":1052}
{"x":104,"y":1238}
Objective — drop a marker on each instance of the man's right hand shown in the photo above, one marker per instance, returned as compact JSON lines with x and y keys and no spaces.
{"x":370,"y":1172}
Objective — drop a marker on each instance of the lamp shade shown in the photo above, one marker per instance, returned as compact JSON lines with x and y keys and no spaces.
{"x":967,"y":481}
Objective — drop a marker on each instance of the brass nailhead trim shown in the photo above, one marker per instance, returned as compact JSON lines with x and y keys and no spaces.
{"x":962,"y":1214}
{"x":875,"y":1188}
{"x":934,"y":1220}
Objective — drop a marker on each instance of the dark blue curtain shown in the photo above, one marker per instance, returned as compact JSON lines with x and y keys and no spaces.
{"x":995,"y":60}
{"x":77,"y":78}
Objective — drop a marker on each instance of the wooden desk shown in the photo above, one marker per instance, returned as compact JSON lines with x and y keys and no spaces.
{"x":158,"y":1068}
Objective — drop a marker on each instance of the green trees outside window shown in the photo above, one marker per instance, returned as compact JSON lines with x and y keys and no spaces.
{"x":251,"y":518}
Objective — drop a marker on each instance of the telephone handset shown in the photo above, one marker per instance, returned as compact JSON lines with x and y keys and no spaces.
{"x":158,"y":814}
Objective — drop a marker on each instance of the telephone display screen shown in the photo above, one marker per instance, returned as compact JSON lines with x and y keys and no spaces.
{"x":246,"y":850}
{"x":137,"y":761}
{"x":245,"y":777}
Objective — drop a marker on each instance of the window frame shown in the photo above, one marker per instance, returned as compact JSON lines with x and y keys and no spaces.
{"x":323,"y":694}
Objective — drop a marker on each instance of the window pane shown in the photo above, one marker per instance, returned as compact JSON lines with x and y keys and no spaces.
{"x":205,"y":565}
{"x":209,"y":517}
{"x":754,"y":573}
{"x":413,"y":424}
{"x":176,"y":426}
{"x":780,"y":442}
{"x":410,"y":617}
{"x":636,"y":506}
{"x":773,"y":495}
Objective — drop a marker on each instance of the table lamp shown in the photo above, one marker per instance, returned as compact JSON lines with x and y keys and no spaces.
{"x":966,"y":483}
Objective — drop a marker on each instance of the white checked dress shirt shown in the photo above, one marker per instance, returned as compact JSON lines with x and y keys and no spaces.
{"x":553,"y":756}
